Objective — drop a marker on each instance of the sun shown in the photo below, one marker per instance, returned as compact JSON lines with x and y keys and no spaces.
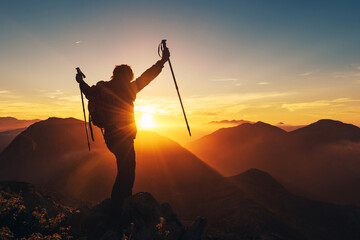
{"x":146,"y":121}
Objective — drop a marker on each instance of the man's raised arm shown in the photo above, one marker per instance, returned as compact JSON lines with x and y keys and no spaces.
{"x":151,"y":73}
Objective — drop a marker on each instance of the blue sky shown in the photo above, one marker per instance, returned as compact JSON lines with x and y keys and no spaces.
{"x":289,"y":61}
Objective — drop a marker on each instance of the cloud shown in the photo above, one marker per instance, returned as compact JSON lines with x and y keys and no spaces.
{"x":348,"y":74}
{"x":74,"y":98}
{"x":211,"y":105}
{"x":199,"y":108}
{"x":263,"y":83}
{"x":78,"y":42}
{"x":237,"y":122}
{"x":46,"y":103}
{"x":53,"y":94}
{"x":232,"y":80}
{"x":225,"y":80}
{"x":8,"y":94}
{"x":317,"y":104}
{"x":306,"y":74}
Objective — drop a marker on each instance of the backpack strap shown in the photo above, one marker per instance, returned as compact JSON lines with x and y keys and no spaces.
{"x":91,"y":129}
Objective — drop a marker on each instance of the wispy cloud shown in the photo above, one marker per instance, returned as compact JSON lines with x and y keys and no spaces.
{"x":355,"y":73}
{"x":78,"y":42}
{"x":225,"y":80}
{"x":317,"y":104}
{"x":8,"y":94}
{"x":53,"y":94}
{"x":263,"y":83}
{"x":229,"y":80}
{"x":306,"y":74}
{"x":348,"y":75}
{"x":211,"y":105}
{"x":234,"y":122}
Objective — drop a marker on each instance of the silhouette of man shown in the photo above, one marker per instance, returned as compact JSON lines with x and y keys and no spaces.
{"x":117,"y":100}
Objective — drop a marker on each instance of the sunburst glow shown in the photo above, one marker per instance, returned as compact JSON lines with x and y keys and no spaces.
{"x":146,"y":121}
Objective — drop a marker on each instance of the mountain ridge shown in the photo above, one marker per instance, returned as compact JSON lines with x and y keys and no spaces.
{"x":11,"y":123}
{"x":249,"y":208}
{"x":320,"y":158}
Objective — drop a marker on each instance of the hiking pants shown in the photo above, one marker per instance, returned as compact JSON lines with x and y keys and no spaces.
{"x":123,"y":149}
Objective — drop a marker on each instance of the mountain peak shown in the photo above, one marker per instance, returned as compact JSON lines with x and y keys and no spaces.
{"x":255,"y":174}
{"x":326,"y":123}
{"x":329,"y":122}
{"x":57,"y":119}
{"x":261,"y":126}
{"x":327,"y":130}
{"x":261,"y":180}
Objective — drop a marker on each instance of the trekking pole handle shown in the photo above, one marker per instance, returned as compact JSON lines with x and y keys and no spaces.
{"x":163,"y":42}
{"x":162,"y":47}
{"x":80,"y":72}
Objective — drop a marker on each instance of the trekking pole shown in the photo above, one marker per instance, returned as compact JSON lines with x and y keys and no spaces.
{"x":83,"y":105}
{"x":161,"y":48}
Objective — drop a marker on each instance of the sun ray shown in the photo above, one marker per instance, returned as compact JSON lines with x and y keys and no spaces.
{"x":147,"y":121}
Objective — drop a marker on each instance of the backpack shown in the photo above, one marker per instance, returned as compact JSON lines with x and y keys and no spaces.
{"x":96,"y":105}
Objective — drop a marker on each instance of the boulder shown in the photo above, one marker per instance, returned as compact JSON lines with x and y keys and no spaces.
{"x":142,"y":218}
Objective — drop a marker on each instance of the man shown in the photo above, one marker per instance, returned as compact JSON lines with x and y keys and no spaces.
{"x":117,"y":98}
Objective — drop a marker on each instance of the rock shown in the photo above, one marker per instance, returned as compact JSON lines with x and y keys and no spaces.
{"x":110,"y":235}
{"x":196,"y":229}
{"x":143,"y":218}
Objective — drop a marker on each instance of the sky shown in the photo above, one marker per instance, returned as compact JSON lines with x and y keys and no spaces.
{"x":273,"y":61}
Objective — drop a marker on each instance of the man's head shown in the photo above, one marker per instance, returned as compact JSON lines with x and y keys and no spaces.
{"x":122,"y":73}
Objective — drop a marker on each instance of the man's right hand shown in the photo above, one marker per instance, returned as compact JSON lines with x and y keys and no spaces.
{"x":79,"y":77}
{"x":165,"y":55}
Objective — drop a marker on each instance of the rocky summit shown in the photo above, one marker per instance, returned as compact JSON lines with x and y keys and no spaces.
{"x":29,"y":213}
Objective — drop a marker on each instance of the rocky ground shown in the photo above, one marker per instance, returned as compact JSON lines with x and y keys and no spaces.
{"x":28,"y":213}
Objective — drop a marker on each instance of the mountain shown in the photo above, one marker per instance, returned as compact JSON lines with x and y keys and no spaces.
{"x":46,"y":153}
{"x":325,"y":131}
{"x":230,"y":150}
{"x":10,"y":123}
{"x":7,"y":136}
{"x":311,"y":219}
{"x":320,"y":161}
{"x":53,"y":154}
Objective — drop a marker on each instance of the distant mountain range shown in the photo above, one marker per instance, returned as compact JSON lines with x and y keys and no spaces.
{"x":251,"y":205}
{"x":10,"y":123}
{"x":10,"y":127}
{"x":321,"y":160}
{"x":7,"y":136}
{"x":286,"y":127}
